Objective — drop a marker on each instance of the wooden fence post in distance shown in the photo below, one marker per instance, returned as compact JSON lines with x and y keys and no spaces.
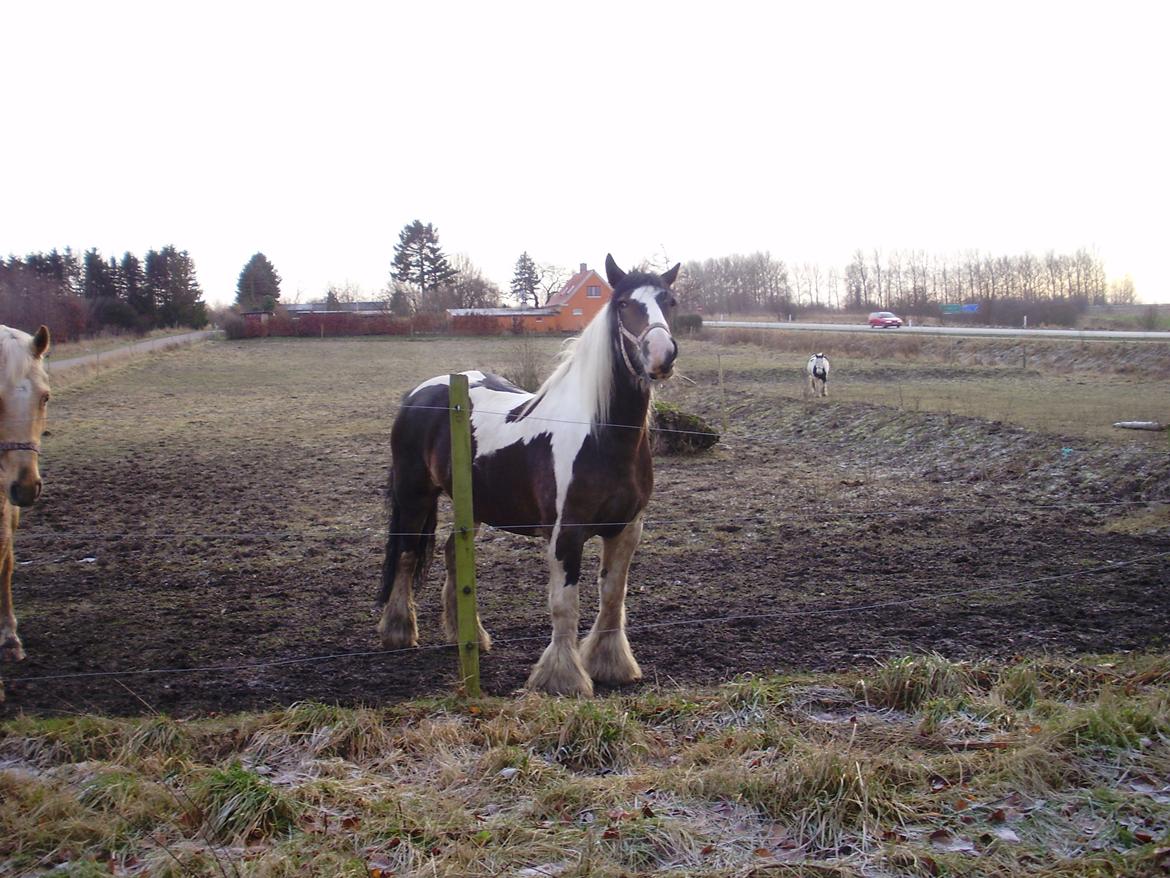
{"x":465,"y":609}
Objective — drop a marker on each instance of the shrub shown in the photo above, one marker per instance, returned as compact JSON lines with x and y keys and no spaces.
{"x":688,"y":324}
{"x":674,"y":431}
{"x":234,"y":326}
{"x":476,"y":324}
{"x":525,"y":369}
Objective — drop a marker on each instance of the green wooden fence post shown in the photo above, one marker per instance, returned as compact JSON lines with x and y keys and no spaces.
{"x":464,"y":534}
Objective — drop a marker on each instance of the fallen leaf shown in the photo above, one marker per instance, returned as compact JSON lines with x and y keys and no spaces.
{"x":944,"y":841}
{"x":762,"y":852}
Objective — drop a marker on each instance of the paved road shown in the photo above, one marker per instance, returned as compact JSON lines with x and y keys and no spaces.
{"x":973,"y":331}
{"x":127,"y":351}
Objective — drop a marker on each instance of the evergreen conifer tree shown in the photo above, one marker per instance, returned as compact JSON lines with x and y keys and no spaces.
{"x":136,"y":291}
{"x":259,"y":284}
{"x":419,"y":261}
{"x":526,"y":281}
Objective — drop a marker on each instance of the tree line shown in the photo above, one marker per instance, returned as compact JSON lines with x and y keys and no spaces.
{"x":913,"y":281}
{"x":76,"y":297}
{"x":423,"y":279}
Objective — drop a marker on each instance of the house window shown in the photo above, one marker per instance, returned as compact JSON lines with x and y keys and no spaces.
{"x":593,"y":292}
{"x":577,"y":312}
{"x":540,"y":320}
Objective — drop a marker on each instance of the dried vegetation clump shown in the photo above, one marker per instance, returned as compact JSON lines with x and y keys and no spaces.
{"x":914,"y":766}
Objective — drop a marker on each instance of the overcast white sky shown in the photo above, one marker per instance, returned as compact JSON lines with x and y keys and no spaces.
{"x":314,"y":132}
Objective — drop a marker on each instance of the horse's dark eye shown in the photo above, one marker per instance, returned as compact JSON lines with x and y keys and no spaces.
{"x":622,"y":304}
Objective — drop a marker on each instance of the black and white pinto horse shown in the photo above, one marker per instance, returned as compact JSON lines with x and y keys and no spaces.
{"x":818,"y":375}
{"x":568,"y":463}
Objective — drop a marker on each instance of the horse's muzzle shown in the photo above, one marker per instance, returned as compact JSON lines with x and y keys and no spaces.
{"x":24,"y":493}
{"x":666,"y":368}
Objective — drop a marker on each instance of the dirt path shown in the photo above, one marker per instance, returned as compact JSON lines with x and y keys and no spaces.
{"x":126,"y":352}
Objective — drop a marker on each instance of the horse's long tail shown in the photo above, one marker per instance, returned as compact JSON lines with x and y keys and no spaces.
{"x":393,"y":547}
{"x":407,"y":534}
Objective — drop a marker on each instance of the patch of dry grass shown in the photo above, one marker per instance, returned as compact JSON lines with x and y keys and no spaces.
{"x":914,"y":766}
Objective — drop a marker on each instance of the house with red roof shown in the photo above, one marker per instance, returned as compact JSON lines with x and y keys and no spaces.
{"x":568,"y":310}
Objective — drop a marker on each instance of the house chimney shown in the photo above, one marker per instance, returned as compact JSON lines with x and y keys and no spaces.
{"x":584,"y":268}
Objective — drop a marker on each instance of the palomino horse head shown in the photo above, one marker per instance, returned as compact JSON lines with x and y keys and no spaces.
{"x":24,"y":396}
{"x":643,"y":306}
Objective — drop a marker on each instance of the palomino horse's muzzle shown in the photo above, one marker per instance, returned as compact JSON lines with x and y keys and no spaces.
{"x":26,"y":487}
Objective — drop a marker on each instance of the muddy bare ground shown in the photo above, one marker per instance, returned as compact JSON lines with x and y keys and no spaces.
{"x":185,"y":527}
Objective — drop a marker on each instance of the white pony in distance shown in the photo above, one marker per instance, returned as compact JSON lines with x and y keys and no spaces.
{"x":818,"y":375}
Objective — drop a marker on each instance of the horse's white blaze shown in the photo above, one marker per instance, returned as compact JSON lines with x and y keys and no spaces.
{"x":659,"y":342}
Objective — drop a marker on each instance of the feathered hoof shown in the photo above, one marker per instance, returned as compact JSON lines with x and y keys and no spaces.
{"x":397,"y":633}
{"x":560,"y":672}
{"x":608,"y":659}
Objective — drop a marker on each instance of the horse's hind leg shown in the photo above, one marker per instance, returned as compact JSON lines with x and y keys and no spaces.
{"x":450,"y":613}
{"x":559,"y":671}
{"x":605,"y":651}
{"x":409,"y":547}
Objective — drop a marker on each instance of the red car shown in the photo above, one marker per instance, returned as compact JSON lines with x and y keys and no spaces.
{"x":884,"y":320}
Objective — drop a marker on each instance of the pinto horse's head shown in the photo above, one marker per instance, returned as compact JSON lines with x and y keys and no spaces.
{"x":643,"y":306}
{"x":24,"y":397}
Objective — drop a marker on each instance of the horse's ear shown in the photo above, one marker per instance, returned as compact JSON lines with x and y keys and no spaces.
{"x":671,"y":275}
{"x":612,"y":273}
{"x":40,"y":342}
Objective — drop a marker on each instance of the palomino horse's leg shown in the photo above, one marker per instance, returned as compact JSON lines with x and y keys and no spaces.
{"x":450,"y":618}
{"x":605,"y":651}
{"x":11,"y":649}
{"x":559,"y":671}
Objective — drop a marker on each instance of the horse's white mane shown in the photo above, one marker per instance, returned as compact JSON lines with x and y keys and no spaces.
{"x":584,"y":373}
{"x":16,"y":357}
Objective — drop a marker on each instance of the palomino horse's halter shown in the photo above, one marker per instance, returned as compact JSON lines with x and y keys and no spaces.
{"x":637,"y":340}
{"x":20,"y":446}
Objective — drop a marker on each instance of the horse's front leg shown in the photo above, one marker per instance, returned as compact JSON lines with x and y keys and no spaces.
{"x":450,"y":602}
{"x":559,"y":671}
{"x":11,"y":649}
{"x":605,"y":651}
